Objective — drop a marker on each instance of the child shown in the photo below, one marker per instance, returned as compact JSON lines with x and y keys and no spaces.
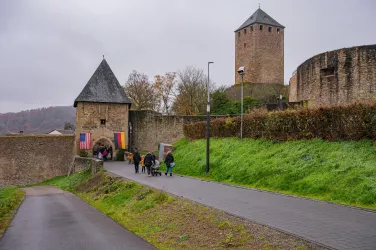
{"x":143,"y":164}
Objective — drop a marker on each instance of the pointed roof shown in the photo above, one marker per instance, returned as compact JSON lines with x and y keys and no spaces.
{"x":260,"y":17}
{"x":103,"y":87}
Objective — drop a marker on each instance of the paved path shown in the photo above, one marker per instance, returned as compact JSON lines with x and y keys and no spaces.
{"x":52,"y":219}
{"x":332,"y":225}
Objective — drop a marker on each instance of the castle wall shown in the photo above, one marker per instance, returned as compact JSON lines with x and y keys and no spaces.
{"x":338,"y":77}
{"x":30,"y":159}
{"x":149,"y":128}
{"x":293,"y":95}
{"x":262,"y":53}
{"x":88,"y":119}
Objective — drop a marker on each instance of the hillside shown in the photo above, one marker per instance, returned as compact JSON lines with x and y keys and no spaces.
{"x":37,"y":121}
{"x":342,"y":172}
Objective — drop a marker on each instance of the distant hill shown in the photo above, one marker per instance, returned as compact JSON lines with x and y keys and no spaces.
{"x":37,"y":121}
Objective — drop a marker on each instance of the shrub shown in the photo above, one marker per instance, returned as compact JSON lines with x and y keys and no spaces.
{"x":83,"y":153}
{"x":352,"y":122}
{"x":120,"y":155}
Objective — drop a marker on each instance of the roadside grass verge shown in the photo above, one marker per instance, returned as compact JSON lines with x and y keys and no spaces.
{"x":341,"y":172}
{"x":170,"y":222}
{"x":10,"y":200}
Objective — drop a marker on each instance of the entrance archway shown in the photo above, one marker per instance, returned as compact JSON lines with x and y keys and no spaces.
{"x":103,"y":141}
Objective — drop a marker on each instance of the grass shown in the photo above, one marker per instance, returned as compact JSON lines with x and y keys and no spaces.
{"x":10,"y":200}
{"x":341,"y":172}
{"x":170,"y":222}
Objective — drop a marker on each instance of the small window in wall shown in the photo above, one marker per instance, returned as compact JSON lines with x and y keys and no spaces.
{"x":245,"y":31}
{"x":103,"y":121}
{"x":270,"y":29}
{"x":278,"y":30}
{"x":239,"y":34}
{"x":327,"y":72}
{"x":245,"y":45}
{"x":251,"y":28}
{"x":261,"y":26}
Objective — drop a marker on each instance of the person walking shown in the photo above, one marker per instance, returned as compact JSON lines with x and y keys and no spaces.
{"x":169,"y":160}
{"x":142,"y":163}
{"x":148,"y":162}
{"x":136,"y":160}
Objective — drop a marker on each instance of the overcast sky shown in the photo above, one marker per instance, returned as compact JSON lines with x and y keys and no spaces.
{"x":49,"y":49}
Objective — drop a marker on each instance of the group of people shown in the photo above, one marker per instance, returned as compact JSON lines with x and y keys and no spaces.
{"x":148,"y":160}
{"x":102,"y":152}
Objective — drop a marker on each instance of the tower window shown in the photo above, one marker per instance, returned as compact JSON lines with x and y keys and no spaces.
{"x":278,"y":30}
{"x":261,"y":26}
{"x":245,"y":45}
{"x":103,"y":121}
{"x":270,"y":29}
{"x":251,"y":28}
{"x":245,"y":31}
{"x":239,"y":34}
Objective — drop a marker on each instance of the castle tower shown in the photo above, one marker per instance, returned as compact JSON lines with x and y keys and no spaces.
{"x":259,"y":46}
{"x":102,"y":108}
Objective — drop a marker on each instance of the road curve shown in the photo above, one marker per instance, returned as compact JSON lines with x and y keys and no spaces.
{"x":50,"y":218}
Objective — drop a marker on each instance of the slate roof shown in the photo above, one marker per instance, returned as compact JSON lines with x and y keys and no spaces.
{"x":260,"y":17}
{"x":103,"y":87}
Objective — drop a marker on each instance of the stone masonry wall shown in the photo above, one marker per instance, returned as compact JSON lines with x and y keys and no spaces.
{"x":293,"y":89}
{"x":30,"y":159}
{"x":88,"y":116}
{"x":262,"y":53}
{"x":338,"y":77}
{"x":149,"y":128}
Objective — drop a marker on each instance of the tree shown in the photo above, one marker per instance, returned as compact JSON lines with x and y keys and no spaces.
{"x":140,"y":90}
{"x":68,"y":126}
{"x":191,"y":94}
{"x":164,"y":87}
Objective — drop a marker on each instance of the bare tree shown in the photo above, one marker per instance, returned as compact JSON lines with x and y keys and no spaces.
{"x":191,"y":96}
{"x":140,"y":90}
{"x":164,"y":87}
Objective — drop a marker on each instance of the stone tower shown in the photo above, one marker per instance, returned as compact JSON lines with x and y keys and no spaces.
{"x":259,"y":46}
{"x":102,"y":108}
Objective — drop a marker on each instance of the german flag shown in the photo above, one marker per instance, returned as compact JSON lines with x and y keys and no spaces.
{"x":119,"y":138}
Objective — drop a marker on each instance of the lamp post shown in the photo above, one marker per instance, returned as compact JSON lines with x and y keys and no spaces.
{"x":241,"y":72}
{"x":208,"y":123}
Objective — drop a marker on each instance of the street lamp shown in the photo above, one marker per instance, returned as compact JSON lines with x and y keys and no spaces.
{"x":208,"y":123}
{"x":241,"y":72}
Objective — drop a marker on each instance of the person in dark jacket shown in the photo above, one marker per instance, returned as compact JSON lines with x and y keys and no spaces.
{"x":136,"y":160}
{"x":153,"y":155}
{"x":169,"y":160}
{"x":148,"y":162}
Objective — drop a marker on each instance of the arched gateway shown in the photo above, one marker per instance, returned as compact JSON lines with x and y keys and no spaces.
{"x":101,"y":109}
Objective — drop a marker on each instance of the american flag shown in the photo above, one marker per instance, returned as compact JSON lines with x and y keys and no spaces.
{"x":85,"y":140}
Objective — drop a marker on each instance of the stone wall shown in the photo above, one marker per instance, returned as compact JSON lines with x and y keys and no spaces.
{"x":338,"y":77}
{"x":88,"y":119}
{"x":149,"y":129}
{"x":82,"y":163}
{"x":293,"y":89}
{"x":262,"y":53}
{"x":30,"y":159}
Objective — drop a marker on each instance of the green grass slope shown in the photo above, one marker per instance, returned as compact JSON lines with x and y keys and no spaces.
{"x":10,"y":200}
{"x":342,"y":172}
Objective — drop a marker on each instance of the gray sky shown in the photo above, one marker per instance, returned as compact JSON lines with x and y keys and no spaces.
{"x":49,"y":49}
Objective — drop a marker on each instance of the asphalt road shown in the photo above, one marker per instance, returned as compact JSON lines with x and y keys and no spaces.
{"x":50,"y":219}
{"x":332,"y":225}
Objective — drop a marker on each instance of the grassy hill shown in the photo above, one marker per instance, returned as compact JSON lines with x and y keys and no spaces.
{"x":342,"y":172}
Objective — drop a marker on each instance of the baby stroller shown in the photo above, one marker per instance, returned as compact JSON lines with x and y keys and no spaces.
{"x":155,"y":169}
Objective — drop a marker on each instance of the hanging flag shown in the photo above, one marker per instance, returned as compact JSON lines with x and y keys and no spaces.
{"x":119,"y":138}
{"x":85,"y":140}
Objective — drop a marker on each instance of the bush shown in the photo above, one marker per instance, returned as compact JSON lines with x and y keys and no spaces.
{"x":83,"y":153}
{"x":352,"y":122}
{"x":120,"y":155}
